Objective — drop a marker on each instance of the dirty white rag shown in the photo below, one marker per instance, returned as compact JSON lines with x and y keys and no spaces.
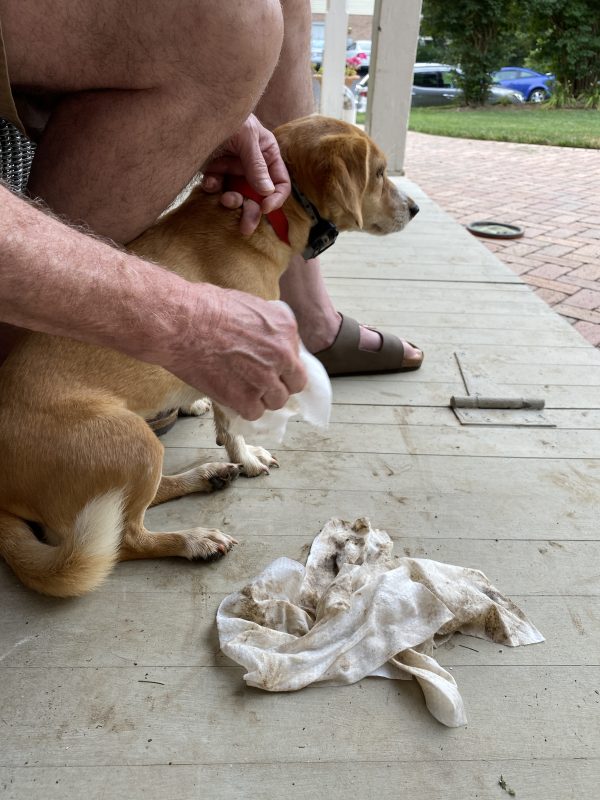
{"x":356,"y":610}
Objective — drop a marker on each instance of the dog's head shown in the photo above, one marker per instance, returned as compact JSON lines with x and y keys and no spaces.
{"x":343,"y":173}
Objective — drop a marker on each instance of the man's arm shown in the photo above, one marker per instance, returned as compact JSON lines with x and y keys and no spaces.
{"x":240,"y":350}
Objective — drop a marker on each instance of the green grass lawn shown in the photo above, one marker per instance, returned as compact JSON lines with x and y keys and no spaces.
{"x":533,"y":125}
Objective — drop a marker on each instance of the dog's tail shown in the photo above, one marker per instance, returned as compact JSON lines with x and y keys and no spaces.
{"x":86,"y":554}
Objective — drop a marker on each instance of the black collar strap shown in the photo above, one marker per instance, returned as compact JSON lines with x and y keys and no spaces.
{"x":323,"y":233}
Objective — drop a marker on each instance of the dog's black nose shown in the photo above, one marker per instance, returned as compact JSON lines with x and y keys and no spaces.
{"x":413,"y":209}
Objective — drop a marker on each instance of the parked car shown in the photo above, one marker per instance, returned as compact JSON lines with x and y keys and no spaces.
{"x":362,"y":51}
{"x":534,"y":86}
{"x":435,"y":85}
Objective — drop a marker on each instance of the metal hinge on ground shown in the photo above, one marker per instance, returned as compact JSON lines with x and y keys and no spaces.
{"x":488,"y":404}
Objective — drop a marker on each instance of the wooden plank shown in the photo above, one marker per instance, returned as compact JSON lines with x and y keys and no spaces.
{"x":422,"y":440}
{"x":520,"y":567}
{"x":429,"y":232}
{"x":499,"y":324}
{"x":499,"y":354}
{"x":576,"y":480}
{"x":412,"y":391}
{"x":417,"y":245}
{"x":566,"y":419}
{"x":419,"y":295}
{"x":507,"y":498}
{"x":419,"y":240}
{"x":106,"y":716}
{"x":441,"y":367}
{"x":432,"y":226}
{"x":437,"y":303}
{"x":368,"y":289}
{"x":552,"y":338}
{"x":410,"y":254}
{"x":420,"y":780}
{"x":448,"y":330}
{"x":155,"y":631}
{"x":365,"y":266}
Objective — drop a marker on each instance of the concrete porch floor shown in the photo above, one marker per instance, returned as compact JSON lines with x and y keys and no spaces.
{"x":123,"y":694}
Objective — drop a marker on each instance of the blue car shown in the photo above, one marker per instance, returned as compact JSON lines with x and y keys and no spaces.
{"x":534,"y":86}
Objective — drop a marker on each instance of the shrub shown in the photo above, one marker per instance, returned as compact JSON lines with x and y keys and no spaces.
{"x":476,"y":33}
{"x":567,"y":37}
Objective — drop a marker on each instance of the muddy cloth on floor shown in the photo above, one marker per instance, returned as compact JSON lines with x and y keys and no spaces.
{"x":356,"y":610}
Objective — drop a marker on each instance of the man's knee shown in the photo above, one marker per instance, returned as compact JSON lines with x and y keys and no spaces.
{"x":119,"y":45}
{"x":264,"y":21}
{"x":237,"y":44}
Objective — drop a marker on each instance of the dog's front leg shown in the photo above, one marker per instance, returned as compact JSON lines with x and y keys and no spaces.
{"x":253,"y":460}
{"x":196,"y":409}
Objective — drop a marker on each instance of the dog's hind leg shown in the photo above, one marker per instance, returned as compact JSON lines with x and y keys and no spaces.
{"x":196,"y":543}
{"x":205,"y":544}
{"x":252,"y":460}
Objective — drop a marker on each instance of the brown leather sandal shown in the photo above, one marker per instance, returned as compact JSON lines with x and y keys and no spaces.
{"x":344,"y":356}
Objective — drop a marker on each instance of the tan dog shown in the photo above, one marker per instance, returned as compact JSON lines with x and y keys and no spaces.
{"x":79,"y":464}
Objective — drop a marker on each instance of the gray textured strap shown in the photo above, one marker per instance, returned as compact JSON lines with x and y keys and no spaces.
{"x":16,"y":156}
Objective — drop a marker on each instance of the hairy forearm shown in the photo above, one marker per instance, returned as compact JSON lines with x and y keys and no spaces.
{"x":240,"y":350}
{"x":57,"y":280}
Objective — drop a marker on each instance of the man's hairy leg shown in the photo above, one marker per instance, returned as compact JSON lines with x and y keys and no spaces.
{"x":149,"y":90}
{"x":289,"y":96}
{"x":238,"y":349}
{"x":289,"y":93}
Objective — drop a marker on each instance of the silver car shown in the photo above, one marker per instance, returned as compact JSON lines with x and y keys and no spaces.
{"x":435,"y":85}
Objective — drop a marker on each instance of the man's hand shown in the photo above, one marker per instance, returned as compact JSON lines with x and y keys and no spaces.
{"x":254,"y":153}
{"x":240,"y":349}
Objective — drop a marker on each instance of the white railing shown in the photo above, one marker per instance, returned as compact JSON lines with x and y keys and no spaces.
{"x":395,"y":35}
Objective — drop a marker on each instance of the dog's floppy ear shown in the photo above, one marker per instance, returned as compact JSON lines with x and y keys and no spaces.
{"x":348,"y":172}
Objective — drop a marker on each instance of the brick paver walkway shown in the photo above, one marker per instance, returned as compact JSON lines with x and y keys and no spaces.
{"x":552,"y":192}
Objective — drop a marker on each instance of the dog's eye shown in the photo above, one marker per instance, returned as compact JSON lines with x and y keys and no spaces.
{"x":380,"y":172}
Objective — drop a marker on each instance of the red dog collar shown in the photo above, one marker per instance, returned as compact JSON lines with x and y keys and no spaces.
{"x":278,"y":220}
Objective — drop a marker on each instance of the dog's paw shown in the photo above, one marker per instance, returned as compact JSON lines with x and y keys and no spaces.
{"x":256,"y":461}
{"x":206,"y":477}
{"x":207,"y":544}
{"x":196,"y":409}
{"x":220,"y":475}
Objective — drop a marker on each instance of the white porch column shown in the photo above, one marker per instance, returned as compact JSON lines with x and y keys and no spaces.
{"x":334,"y":58}
{"x":395,"y":37}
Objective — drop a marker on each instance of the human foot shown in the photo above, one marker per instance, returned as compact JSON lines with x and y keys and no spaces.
{"x":371,"y":339}
{"x":320,"y":326}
